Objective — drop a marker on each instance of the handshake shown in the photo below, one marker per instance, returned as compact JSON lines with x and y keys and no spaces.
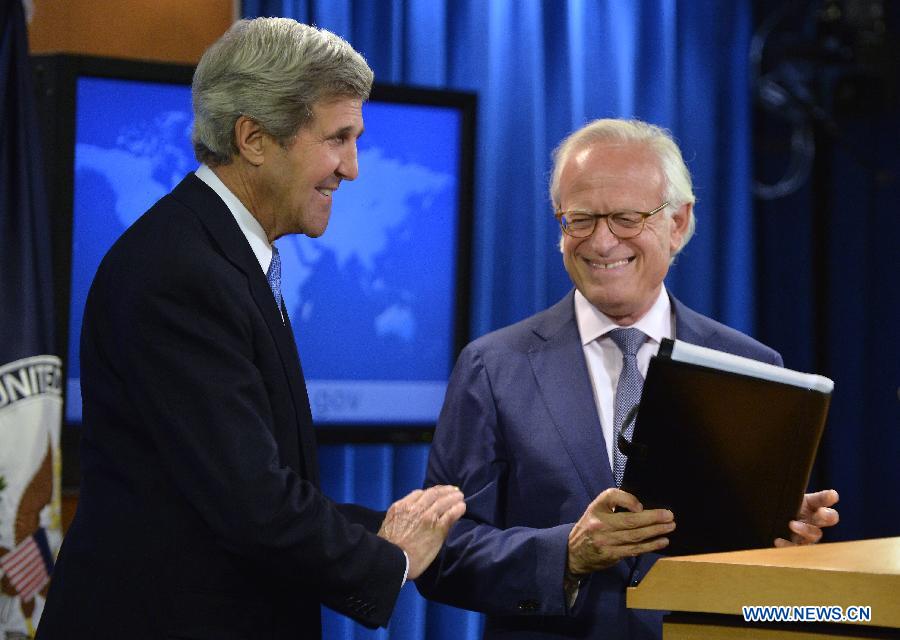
{"x":419,"y":524}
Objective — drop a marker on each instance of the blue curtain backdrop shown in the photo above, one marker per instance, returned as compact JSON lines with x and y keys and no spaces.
{"x":541,"y":70}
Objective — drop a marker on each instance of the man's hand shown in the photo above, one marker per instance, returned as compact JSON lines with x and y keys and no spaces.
{"x":420,"y":522}
{"x":815,"y":513}
{"x":601,"y":537}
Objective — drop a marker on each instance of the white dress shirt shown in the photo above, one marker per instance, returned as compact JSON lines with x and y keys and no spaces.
{"x":604,"y":358}
{"x":249,"y":225}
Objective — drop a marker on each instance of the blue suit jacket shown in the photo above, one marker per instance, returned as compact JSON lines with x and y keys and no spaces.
{"x":199,"y":514}
{"x":520,"y":435}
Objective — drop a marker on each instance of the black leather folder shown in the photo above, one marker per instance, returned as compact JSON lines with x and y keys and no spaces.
{"x":729,"y":453}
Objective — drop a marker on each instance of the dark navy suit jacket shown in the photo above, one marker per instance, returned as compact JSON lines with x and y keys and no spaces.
{"x":520,"y":435}
{"x":199,"y":514}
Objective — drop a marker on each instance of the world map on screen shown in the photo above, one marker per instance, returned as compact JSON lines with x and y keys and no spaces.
{"x":370,"y":301}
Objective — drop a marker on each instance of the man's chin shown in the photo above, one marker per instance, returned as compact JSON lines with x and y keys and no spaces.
{"x":610,"y":304}
{"x":315,"y":230}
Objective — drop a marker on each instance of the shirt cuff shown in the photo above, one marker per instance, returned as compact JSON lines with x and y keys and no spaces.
{"x":571,"y":587}
{"x":406,"y":570}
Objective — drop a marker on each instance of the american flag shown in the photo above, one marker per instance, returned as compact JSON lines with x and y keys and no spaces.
{"x":28,"y":566}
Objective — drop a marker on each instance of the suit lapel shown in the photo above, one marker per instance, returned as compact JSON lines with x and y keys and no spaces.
{"x":307,"y":433}
{"x":557,"y":360}
{"x":690,"y":326}
{"x":221,"y":225}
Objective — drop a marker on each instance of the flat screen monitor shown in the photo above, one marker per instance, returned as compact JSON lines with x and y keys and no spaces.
{"x":379,"y":303}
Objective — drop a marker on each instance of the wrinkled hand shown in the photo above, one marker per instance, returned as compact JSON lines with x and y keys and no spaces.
{"x":601,"y":538}
{"x":420,"y":522}
{"x":815,"y":513}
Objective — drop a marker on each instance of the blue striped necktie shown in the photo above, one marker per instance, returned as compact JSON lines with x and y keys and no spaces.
{"x":628,"y":392}
{"x":273,"y":275}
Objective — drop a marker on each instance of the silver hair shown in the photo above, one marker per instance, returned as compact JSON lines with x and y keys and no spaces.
{"x":679,"y":190}
{"x":272,"y":70}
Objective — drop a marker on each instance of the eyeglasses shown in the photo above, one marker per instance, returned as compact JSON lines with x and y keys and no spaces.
{"x":622,"y":224}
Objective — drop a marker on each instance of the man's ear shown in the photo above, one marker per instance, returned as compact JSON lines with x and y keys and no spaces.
{"x":250,"y":139}
{"x":681,"y":220}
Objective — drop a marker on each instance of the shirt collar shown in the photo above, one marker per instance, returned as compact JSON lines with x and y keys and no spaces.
{"x":656,"y":324}
{"x":249,"y":225}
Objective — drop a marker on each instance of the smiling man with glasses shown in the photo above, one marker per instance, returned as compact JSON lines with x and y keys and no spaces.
{"x":549,"y":543}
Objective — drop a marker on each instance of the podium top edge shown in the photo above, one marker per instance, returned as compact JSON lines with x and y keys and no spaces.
{"x":874,"y":556}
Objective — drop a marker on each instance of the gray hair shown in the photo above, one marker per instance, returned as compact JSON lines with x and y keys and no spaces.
{"x":272,"y":70}
{"x":679,"y":190}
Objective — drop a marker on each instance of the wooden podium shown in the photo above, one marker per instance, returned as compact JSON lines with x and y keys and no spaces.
{"x":705,"y":593}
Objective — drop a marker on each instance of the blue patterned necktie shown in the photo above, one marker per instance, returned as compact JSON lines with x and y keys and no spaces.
{"x":628,"y":392}
{"x":273,"y":275}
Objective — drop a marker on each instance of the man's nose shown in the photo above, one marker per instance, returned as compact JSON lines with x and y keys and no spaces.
{"x":348,"y":169}
{"x":602,"y":238}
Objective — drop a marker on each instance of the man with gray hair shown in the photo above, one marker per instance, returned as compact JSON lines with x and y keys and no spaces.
{"x":200,"y":514}
{"x":549,"y":542}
